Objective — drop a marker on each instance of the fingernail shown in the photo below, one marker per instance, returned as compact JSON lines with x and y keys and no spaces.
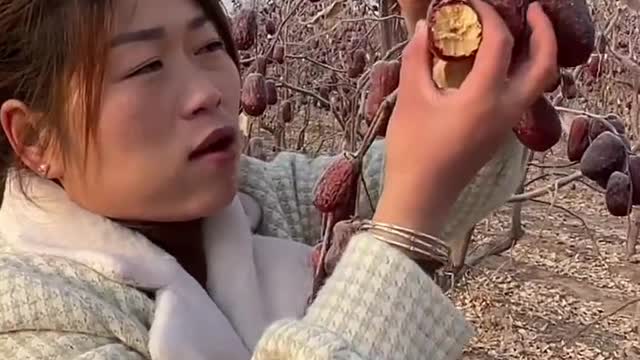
{"x":420,"y":25}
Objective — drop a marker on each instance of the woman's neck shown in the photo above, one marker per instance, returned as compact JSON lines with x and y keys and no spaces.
{"x":183,"y":240}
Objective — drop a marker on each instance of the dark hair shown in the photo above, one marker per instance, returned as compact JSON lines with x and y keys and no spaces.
{"x":49,"y":48}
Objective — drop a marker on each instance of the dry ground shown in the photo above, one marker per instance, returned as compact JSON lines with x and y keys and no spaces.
{"x":535,"y":301}
{"x":532,"y":302}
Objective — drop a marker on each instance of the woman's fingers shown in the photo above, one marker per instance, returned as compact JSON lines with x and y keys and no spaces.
{"x":494,"y":55}
{"x":417,"y":62}
{"x":535,"y":74}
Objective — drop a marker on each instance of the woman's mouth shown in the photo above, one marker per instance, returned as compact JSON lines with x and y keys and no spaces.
{"x":220,"y":143}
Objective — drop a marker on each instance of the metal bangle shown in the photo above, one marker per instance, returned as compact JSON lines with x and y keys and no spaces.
{"x":429,"y":245}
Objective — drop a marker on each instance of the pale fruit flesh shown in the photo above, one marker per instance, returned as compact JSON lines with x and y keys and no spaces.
{"x":456,"y":31}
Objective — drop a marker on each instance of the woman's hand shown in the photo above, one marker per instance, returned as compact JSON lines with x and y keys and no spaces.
{"x":436,"y":140}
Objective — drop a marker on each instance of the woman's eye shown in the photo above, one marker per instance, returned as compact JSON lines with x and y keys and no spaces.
{"x":211,"y":47}
{"x":152,"y":66}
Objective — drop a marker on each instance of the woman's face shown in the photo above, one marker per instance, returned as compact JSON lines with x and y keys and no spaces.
{"x":170,"y":88}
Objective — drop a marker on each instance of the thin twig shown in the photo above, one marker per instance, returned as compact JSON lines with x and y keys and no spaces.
{"x":602,"y":317}
{"x":544,"y":190}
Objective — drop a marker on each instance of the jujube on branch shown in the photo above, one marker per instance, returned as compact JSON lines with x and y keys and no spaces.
{"x":634,"y":175}
{"x":539,"y":127}
{"x":357,"y":63}
{"x":253,"y":98}
{"x":578,"y":140}
{"x":384,"y":79}
{"x":606,"y":154}
{"x":618,"y":194}
{"x":271,"y":92}
{"x":245,"y":29}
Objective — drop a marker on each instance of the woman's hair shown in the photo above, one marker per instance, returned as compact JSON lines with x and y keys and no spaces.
{"x":52,"y":58}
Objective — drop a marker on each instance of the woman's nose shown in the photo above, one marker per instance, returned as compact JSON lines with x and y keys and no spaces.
{"x":201,"y":95}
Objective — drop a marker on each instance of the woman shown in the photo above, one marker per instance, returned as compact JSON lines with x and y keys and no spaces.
{"x":122,"y":231}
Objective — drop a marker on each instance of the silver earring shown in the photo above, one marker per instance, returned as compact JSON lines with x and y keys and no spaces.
{"x":43,"y":170}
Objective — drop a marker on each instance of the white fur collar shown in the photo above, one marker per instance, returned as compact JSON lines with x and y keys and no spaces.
{"x":187,"y":323}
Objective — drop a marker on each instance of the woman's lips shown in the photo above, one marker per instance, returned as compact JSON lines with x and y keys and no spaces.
{"x":219,"y":142}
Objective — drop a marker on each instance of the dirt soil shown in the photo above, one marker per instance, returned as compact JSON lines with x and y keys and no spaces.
{"x":550,"y":296}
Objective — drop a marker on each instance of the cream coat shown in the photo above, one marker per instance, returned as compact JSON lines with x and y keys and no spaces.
{"x":253,"y":280}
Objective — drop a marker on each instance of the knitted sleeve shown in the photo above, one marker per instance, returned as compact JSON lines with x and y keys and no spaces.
{"x":378,"y":304}
{"x":284,"y":188}
{"x":38,"y":345}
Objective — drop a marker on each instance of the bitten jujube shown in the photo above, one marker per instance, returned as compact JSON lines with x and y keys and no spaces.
{"x":456,"y":30}
{"x":456,"y":33}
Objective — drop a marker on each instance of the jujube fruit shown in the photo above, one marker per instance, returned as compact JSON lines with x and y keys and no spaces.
{"x":384,"y":79}
{"x":578,"y":138}
{"x":539,"y":128}
{"x":357,"y":63}
{"x":254,"y":95}
{"x":261,"y":65}
{"x":603,"y":157}
{"x":278,"y":54}
{"x":286,"y":111}
{"x":633,"y":171}
{"x":245,"y":29}
{"x":574,"y":29}
{"x":270,"y":26}
{"x":616,"y":122}
{"x":456,"y":30}
{"x":618,"y":194}
{"x":271,"y":92}
{"x":337,"y":182}
{"x":634,"y":175}
{"x":598,"y":126}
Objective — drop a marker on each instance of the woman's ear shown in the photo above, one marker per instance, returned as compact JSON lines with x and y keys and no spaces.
{"x":17,"y":121}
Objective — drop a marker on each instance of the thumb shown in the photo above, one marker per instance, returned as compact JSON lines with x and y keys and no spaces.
{"x":417,"y":60}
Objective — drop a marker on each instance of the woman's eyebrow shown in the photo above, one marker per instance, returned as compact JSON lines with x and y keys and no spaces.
{"x":155,"y":33}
